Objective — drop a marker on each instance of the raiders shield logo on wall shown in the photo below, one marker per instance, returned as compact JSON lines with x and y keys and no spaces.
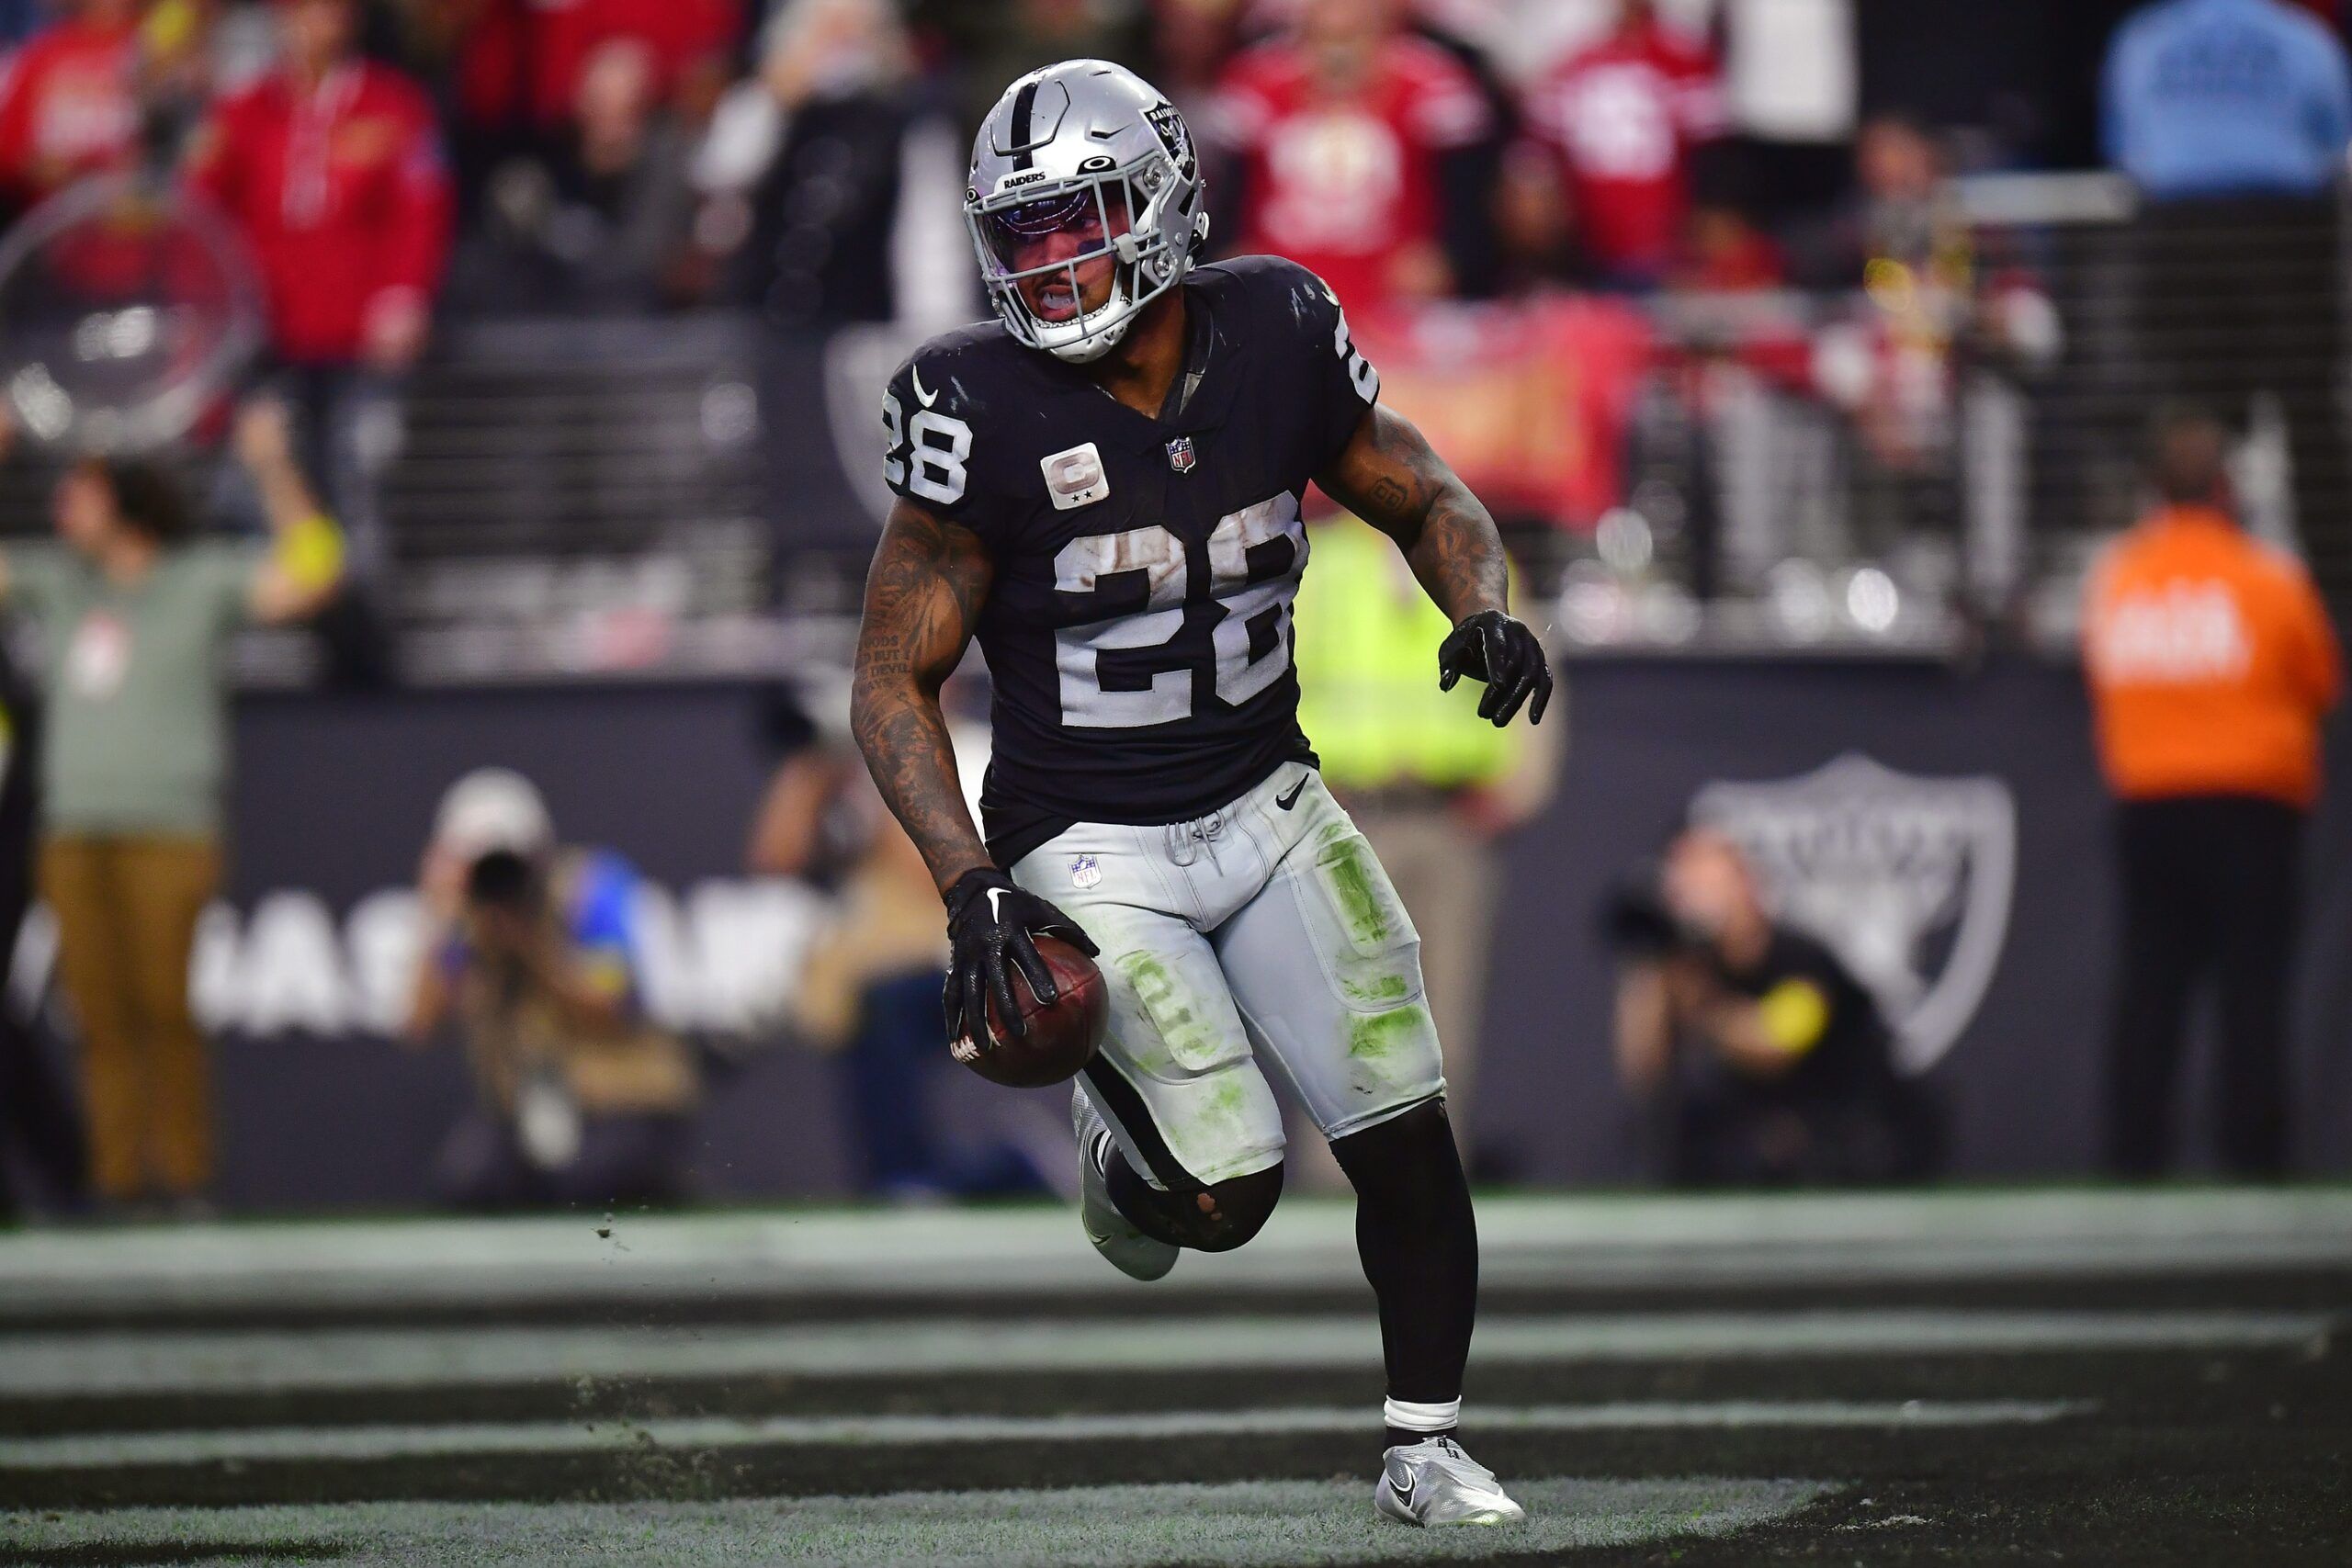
{"x":1908,"y":880}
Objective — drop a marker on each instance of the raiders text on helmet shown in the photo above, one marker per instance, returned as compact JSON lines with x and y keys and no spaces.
{"x":1079,"y":163}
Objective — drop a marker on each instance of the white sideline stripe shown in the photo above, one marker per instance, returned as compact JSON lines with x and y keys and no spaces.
{"x":1311,"y":1242}
{"x":105,"y":1449}
{"x":1262,"y":1524}
{"x":53,"y":1365}
{"x":851,"y":1237}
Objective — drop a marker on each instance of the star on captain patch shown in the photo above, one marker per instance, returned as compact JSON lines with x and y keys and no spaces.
{"x":1180,"y":454}
{"x":1084,"y":872}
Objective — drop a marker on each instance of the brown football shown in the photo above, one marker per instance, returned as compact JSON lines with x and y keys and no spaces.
{"x":1061,"y":1038}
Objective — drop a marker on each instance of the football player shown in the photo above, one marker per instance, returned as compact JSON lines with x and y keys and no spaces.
{"x":1104,"y":485}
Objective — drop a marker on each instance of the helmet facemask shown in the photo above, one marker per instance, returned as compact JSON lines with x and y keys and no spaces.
{"x":1045,"y":247}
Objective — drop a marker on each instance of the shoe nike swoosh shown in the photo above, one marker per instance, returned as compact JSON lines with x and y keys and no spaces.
{"x":1403,"y":1494}
{"x":1287,"y":801}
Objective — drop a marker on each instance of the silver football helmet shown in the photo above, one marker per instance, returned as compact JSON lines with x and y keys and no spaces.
{"x":1081,"y":166}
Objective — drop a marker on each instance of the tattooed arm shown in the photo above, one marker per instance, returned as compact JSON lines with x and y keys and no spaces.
{"x":922,"y":599}
{"x":1390,"y":476}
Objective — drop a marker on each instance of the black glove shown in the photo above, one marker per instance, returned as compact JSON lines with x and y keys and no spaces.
{"x":990,"y":919}
{"x":1493,"y":647}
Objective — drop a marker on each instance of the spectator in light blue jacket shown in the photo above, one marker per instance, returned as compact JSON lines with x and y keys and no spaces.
{"x":2227,"y":97}
{"x":2233,"y":116}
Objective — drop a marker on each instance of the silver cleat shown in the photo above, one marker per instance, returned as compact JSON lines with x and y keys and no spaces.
{"x":1130,"y":1251}
{"x":1434,"y":1484}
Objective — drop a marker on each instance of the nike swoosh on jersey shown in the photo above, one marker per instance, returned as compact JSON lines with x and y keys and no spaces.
{"x":927,"y":397}
{"x":1287,"y":801}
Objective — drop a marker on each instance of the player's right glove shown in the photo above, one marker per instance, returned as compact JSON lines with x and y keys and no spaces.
{"x":989,"y":920}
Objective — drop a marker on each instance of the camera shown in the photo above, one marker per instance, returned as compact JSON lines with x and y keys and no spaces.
{"x":1636,"y":922}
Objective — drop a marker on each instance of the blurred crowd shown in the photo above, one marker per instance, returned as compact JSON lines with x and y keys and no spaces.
{"x":621,"y":155}
{"x":628,"y":155}
{"x":1777,"y":228}
{"x":1760,"y":193}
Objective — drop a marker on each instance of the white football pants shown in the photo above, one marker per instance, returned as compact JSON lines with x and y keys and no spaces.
{"x":1261,"y":939}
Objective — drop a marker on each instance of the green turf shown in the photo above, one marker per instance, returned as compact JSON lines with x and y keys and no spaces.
{"x":2161,"y":1380}
{"x":1248,"y":1525}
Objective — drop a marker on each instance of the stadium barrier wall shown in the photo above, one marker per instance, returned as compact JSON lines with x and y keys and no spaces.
{"x":1975,"y":894}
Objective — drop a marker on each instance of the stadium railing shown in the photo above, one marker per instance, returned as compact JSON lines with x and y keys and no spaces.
{"x":1903,"y":470}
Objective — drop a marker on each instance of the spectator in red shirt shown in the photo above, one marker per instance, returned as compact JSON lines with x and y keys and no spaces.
{"x":1340,"y":130}
{"x":69,"y":103}
{"x":1620,"y":121}
{"x":522,"y":59}
{"x":330,"y":168}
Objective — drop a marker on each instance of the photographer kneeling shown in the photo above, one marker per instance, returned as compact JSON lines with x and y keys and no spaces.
{"x":1767,"y":1061}
{"x":534,"y":953}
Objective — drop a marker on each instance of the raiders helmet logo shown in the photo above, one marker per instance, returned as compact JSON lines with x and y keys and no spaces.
{"x":1174,"y":137}
{"x":1908,"y":880}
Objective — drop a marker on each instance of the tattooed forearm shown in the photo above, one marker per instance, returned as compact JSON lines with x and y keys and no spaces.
{"x":1460,"y":559}
{"x":1390,"y":476}
{"x":922,"y":598}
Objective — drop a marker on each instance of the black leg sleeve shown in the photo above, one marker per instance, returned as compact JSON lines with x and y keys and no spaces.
{"x":1420,"y":1244}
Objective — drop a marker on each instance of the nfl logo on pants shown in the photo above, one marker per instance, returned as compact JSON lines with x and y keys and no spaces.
{"x":1180,"y":454}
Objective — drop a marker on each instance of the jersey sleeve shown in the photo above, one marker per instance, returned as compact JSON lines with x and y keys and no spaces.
{"x":927,"y":428}
{"x":1339,"y":382}
{"x":2318,"y":657}
{"x":423,"y":204}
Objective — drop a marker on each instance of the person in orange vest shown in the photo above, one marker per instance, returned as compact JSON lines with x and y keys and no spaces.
{"x":2210,"y":664}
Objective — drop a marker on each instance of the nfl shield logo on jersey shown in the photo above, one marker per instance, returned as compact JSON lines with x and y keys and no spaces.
{"x":1084,"y":872}
{"x":1180,"y":454}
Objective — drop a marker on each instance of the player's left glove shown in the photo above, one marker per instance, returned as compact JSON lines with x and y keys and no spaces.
{"x":1492,"y":647}
{"x":989,"y":919}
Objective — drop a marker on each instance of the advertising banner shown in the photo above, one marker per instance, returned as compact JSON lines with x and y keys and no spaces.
{"x":1944,"y":831}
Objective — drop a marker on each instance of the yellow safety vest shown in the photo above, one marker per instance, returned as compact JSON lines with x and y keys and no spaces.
{"x":1367,"y":642}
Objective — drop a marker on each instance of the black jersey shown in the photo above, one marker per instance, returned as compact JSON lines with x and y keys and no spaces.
{"x":1138,"y":629}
